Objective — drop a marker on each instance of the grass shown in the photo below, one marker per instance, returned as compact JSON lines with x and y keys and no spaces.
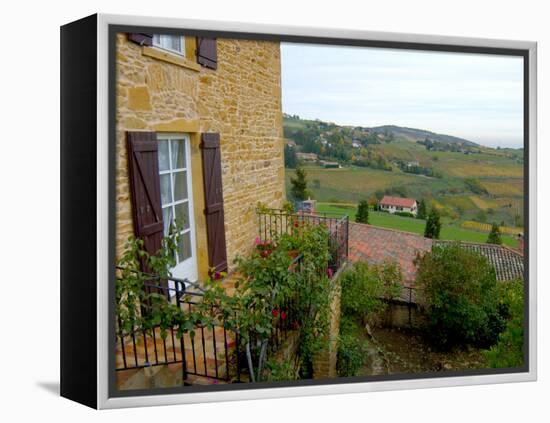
{"x":385,"y":220}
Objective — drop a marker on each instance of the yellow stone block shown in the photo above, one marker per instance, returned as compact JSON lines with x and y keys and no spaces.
{"x":138,"y":98}
{"x":178,"y":125}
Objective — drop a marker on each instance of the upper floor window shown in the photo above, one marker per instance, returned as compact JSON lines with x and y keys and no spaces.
{"x":172,"y":43}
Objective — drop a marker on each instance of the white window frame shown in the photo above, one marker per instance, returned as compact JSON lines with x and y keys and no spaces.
{"x":166,"y":137}
{"x":157,"y":43}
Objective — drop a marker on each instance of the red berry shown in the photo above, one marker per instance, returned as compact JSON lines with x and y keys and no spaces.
{"x":274,"y":312}
{"x":283,"y":315}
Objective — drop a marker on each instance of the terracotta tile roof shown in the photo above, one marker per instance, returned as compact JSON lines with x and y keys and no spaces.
{"x":375,"y":245}
{"x":397,"y":201}
{"x":508,"y":263}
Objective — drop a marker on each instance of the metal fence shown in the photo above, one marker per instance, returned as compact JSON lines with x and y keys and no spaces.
{"x":216,"y":352}
{"x":274,"y":222}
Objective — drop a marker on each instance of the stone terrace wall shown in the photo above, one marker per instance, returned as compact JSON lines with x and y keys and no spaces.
{"x":241,"y":100}
{"x":324,"y":363}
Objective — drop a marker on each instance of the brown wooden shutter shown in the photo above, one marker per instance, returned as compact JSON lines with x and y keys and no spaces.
{"x":142,"y":39}
{"x":207,"y":52}
{"x":145,"y":188}
{"x":213,"y":193}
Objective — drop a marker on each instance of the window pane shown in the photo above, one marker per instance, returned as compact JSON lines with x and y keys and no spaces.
{"x":167,"y":219}
{"x":182,"y":215}
{"x":164,"y":163}
{"x":165,"y":189}
{"x":184,"y":246}
{"x":178,"y":154}
{"x":175,"y":42}
{"x":156,"y":39}
{"x":180,"y":185}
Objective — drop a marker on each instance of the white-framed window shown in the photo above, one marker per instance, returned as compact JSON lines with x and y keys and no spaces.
{"x":177,"y":199}
{"x":172,"y":43}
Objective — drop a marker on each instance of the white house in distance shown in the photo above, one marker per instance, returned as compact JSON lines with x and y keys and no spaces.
{"x":399,"y":204}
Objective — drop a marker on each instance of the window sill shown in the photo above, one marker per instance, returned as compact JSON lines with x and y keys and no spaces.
{"x":171,"y":58}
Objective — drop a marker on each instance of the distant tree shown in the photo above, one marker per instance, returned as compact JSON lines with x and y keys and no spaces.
{"x":379,"y":194}
{"x":494,"y":236}
{"x":373,"y":202}
{"x":362,"y":215}
{"x":291,"y":161}
{"x":399,"y":190}
{"x":481,"y":216}
{"x":299,"y":189}
{"x":433,"y":225}
{"x":422,"y":211}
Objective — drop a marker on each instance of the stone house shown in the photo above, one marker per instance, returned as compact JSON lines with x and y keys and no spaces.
{"x":200,"y":139}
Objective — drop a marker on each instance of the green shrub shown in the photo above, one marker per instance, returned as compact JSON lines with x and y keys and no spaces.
{"x":494,"y":236}
{"x":433,"y":225}
{"x":460,"y":291}
{"x":352,"y":350}
{"x":280,"y":370}
{"x":362,"y":215}
{"x":422,"y":210}
{"x":365,"y":286}
{"x":508,"y":351}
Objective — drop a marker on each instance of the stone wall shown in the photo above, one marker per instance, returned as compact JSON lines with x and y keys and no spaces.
{"x":324,"y":363}
{"x":241,"y":100}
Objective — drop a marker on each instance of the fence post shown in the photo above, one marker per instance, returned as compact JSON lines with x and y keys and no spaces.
{"x":180,"y":290}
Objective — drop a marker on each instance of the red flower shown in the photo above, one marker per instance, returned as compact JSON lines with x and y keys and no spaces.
{"x":330,"y":273}
{"x":283,"y":315}
{"x":274,"y":312}
{"x":296,"y":224}
{"x":217,"y":276}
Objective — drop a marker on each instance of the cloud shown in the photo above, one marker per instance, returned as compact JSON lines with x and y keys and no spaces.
{"x":479,"y":97}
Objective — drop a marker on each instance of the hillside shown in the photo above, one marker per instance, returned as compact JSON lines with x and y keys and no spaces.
{"x":412,"y":134}
{"x":463,"y":180}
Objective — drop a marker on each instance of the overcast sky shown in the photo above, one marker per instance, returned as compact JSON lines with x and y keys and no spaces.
{"x":477,"y":97}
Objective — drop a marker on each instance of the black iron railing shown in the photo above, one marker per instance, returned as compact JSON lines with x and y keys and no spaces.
{"x":209,"y":352}
{"x":216,"y":353}
{"x":274,"y":222}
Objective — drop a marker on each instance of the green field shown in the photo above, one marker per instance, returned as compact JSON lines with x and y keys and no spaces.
{"x":350,"y":184}
{"x":386,"y":220}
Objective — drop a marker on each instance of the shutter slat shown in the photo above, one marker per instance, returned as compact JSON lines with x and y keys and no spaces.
{"x":207,"y":52}
{"x":213,"y":193}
